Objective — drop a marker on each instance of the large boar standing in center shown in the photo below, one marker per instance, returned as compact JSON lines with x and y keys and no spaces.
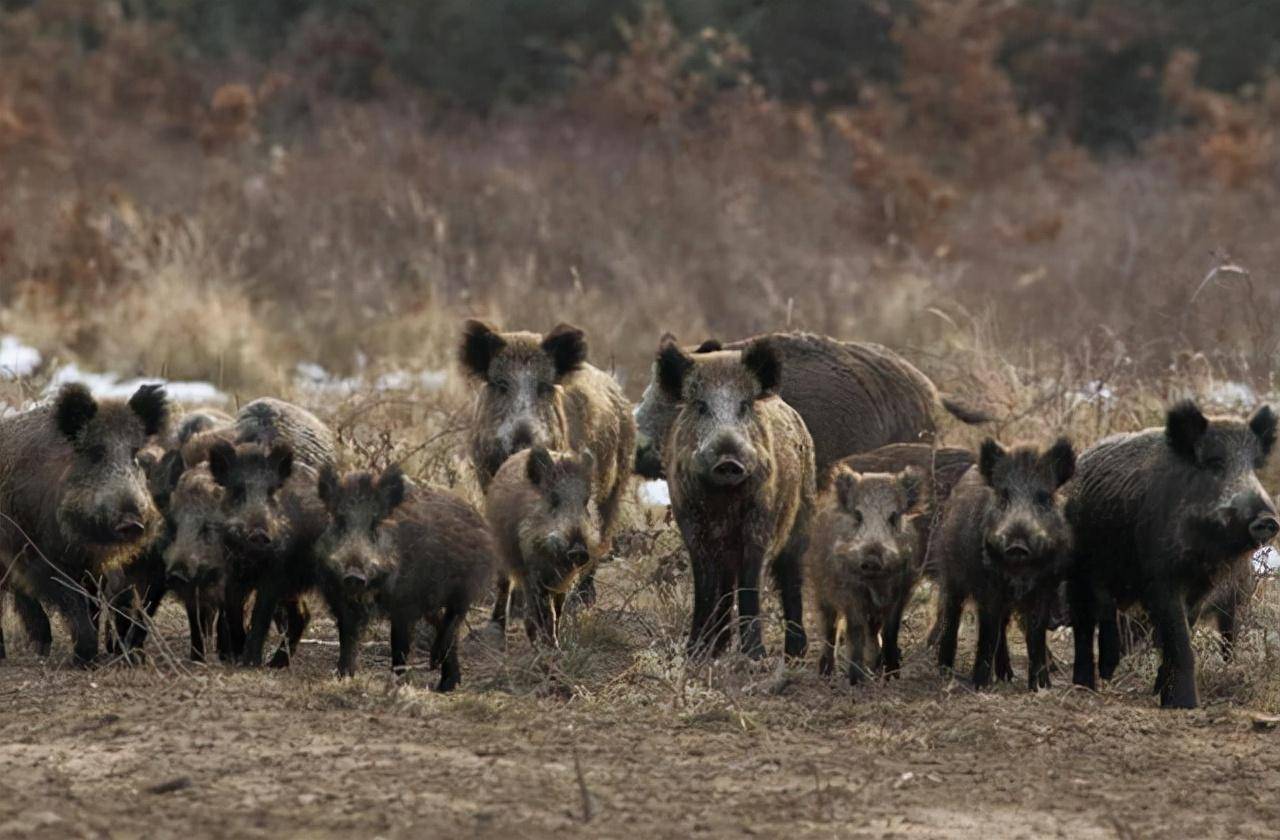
{"x":739,"y":463}
{"x":74,"y":501}
{"x":852,"y":396}
{"x":541,"y":391}
{"x":1160,"y":518}
{"x":1004,"y":543}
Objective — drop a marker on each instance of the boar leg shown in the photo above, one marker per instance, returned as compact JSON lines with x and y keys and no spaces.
{"x":501,"y":601}
{"x":990,"y":620}
{"x":721,"y":628}
{"x":1109,"y":647}
{"x":296,"y":619}
{"x":35,"y":621}
{"x":891,"y":653}
{"x":233,"y":620}
{"x":787,"y":577}
{"x":705,"y":584}
{"x":401,"y":643}
{"x":540,"y":619}
{"x":445,"y":650}
{"x":195,"y":626}
{"x":349,"y":627}
{"x":1004,"y":668}
{"x":1037,"y":632}
{"x":264,"y":610}
{"x":585,"y":591}
{"x":855,"y":659}
{"x":827,"y":661}
{"x":81,"y":616}
{"x":1177,"y":677}
{"x":749,"y":636}
{"x":1084,"y":620}
{"x":223,"y":630}
{"x":950,"y":606}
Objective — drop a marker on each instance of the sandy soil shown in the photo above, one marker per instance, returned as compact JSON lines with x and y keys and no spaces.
{"x":611,"y":738}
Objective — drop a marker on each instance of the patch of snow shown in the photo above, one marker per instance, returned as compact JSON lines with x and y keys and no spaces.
{"x":17,"y":359}
{"x":1231,"y":395}
{"x":315,"y":378}
{"x":109,"y":385}
{"x":1266,"y":559}
{"x":655,"y":492}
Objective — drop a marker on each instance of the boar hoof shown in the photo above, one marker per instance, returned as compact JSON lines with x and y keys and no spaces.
{"x":826,"y":664}
{"x":280,"y":659}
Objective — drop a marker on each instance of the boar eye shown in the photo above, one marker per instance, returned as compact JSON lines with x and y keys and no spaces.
{"x":895,"y":519}
{"x":501,"y":387}
{"x":545,"y":389}
{"x":744,"y":407}
{"x":1044,"y":498}
{"x":554,"y":500}
{"x":702,"y":407}
{"x":857,"y":517}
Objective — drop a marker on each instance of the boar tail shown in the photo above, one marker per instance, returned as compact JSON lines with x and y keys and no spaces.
{"x":965,"y":413}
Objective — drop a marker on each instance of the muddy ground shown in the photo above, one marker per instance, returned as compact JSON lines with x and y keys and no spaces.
{"x":613,"y":738}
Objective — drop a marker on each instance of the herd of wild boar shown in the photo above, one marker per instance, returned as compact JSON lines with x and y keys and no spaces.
{"x":806,"y":457}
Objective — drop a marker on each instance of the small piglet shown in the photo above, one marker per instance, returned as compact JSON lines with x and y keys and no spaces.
{"x":862,"y":563}
{"x":405,"y":552}
{"x":1004,"y":542}
{"x":539,"y":506}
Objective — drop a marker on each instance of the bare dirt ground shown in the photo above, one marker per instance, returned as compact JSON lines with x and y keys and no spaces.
{"x":613,"y":737}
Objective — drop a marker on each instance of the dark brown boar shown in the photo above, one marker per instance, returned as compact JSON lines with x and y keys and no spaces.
{"x":1160,"y":518}
{"x":271,"y":516}
{"x":853,"y":396}
{"x":539,"y":507}
{"x":862,"y":565}
{"x":194,"y":558}
{"x":1004,"y":543}
{"x":541,"y":391}
{"x":405,"y":552}
{"x":739,"y":462}
{"x":74,"y":505}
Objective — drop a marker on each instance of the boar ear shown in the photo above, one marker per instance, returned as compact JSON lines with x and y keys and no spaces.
{"x":480,"y":343}
{"x":989,"y":455}
{"x":222,"y":459}
{"x":1263,"y":424}
{"x":281,"y":460}
{"x":761,"y":358}
{"x":911,"y":480}
{"x":673,"y":364}
{"x":1061,"y":461}
{"x":172,"y":467}
{"x":567,"y":347}
{"x":1183,"y":428}
{"x":846,"y":483}
{"x":74,"y":409}
{"x":151,"y":405}
{"x":540,"y":465}
{"x":327,"y":486}
{"x":391,"y":489}
{"x":711,"y":345}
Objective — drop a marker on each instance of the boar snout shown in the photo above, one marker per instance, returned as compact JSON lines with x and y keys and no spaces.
{"x":354,"y":581}
{"x":521,"y":436}
{"x":179,"y":576}
{"x":577,"y":552}
{"x":728,"y":471}
{"x":876,"y":559}
{"x":648,"y":459}
{"x":1264,"y":528}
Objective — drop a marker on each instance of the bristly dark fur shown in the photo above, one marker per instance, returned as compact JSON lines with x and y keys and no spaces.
{"x":540,"y":465}
{"x":391,"y":488}
{"x":988,"y":457}
{"x":74,"y":409}
{"x":480,"y":343}
{"x":151,"y":404}
{"x":327,"y":486}
{"x":1061,"y":460}
{"x":1184,"y":426}
{"x":762,"y":359}
{"x":567,"y":347}
{"x":673,"y":364}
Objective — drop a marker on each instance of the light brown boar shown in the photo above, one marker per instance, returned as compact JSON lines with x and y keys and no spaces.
{"x":74,"y":500}
{"x":740,"y":467}
{"x":541,"y":391}
{"x":539,"y":506}
{"x":862,"y":566}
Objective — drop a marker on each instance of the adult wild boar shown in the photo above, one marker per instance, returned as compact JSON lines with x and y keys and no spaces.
{"x":853,"y":396}
{"x":539,"y":507}
{"x":541,"y":391}
{"x":193,"y":557}
{"x":739,"y":463}
{"x":74,"y":505}
{"x":1004,"y":543}
{"x":862,"y":565}
{"x":1160,"y":517}
{"x":405,"y":552}
{"x":271,"y":518}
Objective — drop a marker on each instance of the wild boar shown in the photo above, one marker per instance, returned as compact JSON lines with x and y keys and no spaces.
{"x":74,"y":504}
{"x":1004,"y":542}
{"x":405,"y":552}
{"x":194,"y":559}
{"x":541,"y":391}
{"x":853,"y":396}
{"x":272,"y":517}
{"x":740,"y":467}
{"x":862,"y":564}
{"x":1160,"y":517}
{"x":539,"y":506}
